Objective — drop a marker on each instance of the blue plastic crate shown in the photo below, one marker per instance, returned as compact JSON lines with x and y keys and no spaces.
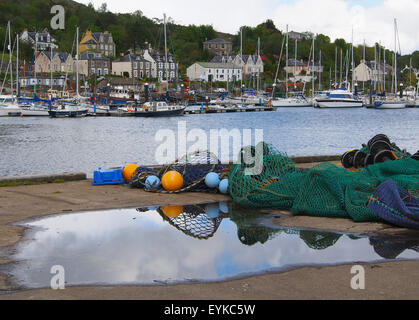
{"x":107,"y":176}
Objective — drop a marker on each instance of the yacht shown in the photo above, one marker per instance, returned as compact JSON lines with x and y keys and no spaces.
{"x":340,"y":98}
{"x":69,"y":110}
{"x":159,"y":109}
{"x":8,"y":106}
{"x":296,"y":101}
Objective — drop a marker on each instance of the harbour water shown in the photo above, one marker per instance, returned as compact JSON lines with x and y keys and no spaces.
{"x":44,"y":145}
{"x":168,"y":245}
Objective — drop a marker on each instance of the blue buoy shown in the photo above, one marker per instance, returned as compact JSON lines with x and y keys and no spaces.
{"x":212,"y":210}
{"x":223,"y":207}
{"x":152,"y":182}
{"x":223,"y":186}
{"x":212,"y":180}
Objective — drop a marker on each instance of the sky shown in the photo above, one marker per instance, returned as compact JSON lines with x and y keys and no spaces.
{"x":371,"y":20}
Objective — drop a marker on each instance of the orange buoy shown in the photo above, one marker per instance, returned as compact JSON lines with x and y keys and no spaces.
{"x":172,"y":181}
{"x":129,"y":171}
{"x":172,"y":211}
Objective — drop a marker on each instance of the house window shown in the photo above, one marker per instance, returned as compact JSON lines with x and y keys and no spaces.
{"x":160,"y":74}
{"x":160,"y":65}
{"x":99,"y":72}
{"x":141,"y":65}
{"x":93,"y":70}
{"x":105,"y":64}
{"x":105,"y":71}
{"x":172,"y":66}
{"x":172,"y":74}
{"x":93,"y":63}
{"x":135,"y":65}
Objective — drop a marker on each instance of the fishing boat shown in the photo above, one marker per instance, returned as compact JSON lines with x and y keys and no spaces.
{"x":69,"y":110}
{"x":339,"y":98}
{"x":159,"y":109}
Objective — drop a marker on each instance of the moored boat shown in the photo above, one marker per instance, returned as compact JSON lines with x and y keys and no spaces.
{"x":159,"y":109}
{"x":340,"y":98}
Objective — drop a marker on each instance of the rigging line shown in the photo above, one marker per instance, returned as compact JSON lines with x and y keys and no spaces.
{"x":4,"y":49}
{"x":279,"y":60}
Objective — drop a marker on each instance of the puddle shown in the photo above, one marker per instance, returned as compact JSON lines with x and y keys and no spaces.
{"x":165,"y":245}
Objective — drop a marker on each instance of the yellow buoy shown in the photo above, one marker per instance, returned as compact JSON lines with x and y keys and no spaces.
{"x":172,"y":181}
{"x":129,"y":171}
{"x":172,"y":211}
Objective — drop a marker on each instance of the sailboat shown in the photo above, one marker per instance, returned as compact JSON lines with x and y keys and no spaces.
{"x":297,"y":100}
{"x":74,"y":108}
{"x":395,"y":102}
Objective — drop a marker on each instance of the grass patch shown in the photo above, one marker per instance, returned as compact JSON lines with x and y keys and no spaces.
{"x":28,"y":183}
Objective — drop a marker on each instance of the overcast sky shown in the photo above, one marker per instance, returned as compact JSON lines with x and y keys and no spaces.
{"x":371,"y":20}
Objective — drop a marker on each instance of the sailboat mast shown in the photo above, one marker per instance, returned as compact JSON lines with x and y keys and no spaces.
{"x":295,"y":62}
{"x":10,"y":59}
{"x":50,"y":68}
{"x":341,"y":66}
{"x":313,"y":67}
{"x":352,"y":61}
{"x":165,"y":52}
{"x":241,"y":59}
{"x":336,"y":65}
{"x":258,"y":80}
{"x":320,"y":74}
{"x":17,"y":65}
{"x":286,"y":67}
{"x":395,"y":58}
{"x":77,"y":62}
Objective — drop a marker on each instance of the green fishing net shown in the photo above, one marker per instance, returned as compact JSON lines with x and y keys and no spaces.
{"x":325,"y":190}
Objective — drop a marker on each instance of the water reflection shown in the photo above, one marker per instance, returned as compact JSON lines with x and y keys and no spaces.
{"x":172,"y":244}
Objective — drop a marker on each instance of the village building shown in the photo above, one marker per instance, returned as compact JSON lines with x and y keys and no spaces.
{"x":250,"y":64}
{"x":61,"y":62}
{"x":134,"y":66}
{"x":92,"y":63}
{"x":41,"y":41}
{"x":209,"y":71}
{"x":100,"y":42}
{"x":219,"y":46}
{"x":160,"y":68}
{"x":370,"y":70}
{"x":292,"y":35}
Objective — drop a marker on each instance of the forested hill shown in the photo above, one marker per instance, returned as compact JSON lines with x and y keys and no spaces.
{"x":134,"y":30}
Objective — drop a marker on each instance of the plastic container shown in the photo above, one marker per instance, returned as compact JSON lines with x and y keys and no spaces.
{"x":109,"y":176}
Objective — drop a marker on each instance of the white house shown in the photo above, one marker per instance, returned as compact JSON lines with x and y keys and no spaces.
{"x":250,"y":64}
{"x":41,"y":40}
{"x":214,"y":71}
{"x":368,"y":70}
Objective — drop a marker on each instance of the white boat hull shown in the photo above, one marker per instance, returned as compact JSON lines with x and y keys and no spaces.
{"x":289,"y":103}
{"x":391,"y":105}
{"x":339,"y":104}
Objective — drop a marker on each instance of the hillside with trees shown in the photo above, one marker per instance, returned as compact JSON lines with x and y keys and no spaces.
{"x":133,"y":31}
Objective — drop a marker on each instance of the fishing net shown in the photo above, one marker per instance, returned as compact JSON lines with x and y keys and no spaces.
{"x":325,"y":190}
{"x":193,"y":221}
{"x":193,"y":167}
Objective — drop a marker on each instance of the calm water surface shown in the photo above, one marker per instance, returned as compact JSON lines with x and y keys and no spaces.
{"x":164,"y":245}
{"x":44,"y":145}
